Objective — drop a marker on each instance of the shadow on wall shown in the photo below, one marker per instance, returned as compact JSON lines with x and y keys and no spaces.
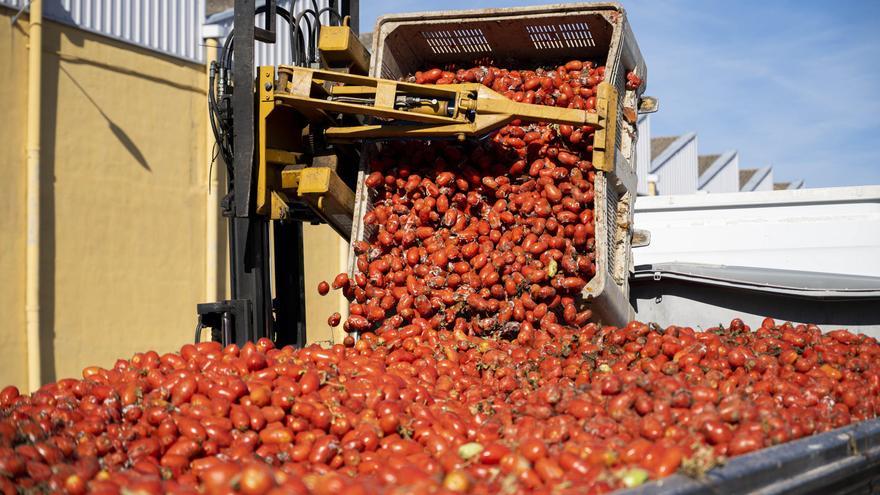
{"x":49,"y":106}
{"x":117,"y":131}
{"x":52,"y":45}
{"x":52,"y":70}
{"x":67,"y":59}
{"x":58,"y":68}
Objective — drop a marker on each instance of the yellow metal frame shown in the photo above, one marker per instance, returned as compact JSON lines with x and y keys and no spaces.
{"x":454,"y":110}
{"x":270,"y":199}
{"x":605,"y":137}
{"x":340,"y":47}
{"x":282,"y":173}
{"x":301,"y":97}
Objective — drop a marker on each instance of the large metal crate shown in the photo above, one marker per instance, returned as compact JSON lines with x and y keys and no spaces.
{"x":529,"y":37}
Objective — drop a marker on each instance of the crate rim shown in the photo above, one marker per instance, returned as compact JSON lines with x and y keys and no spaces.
{"x":481,"y":14}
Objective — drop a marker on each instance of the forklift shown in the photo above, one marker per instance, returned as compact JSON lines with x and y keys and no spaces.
{"x":292,"y":136}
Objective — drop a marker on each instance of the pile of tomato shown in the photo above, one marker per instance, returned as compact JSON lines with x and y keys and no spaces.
{"x":476,"y":368}
{"x":422,"y":410}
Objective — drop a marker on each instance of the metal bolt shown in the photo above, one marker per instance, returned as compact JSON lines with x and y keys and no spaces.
{"x":268,"y":86}
{"x":285,"y":214}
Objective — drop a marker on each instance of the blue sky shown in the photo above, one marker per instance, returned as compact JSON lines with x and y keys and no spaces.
{"x":792,"y":84}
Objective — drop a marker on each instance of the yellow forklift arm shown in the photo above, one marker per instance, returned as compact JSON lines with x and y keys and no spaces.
{"x":298,"y":104}
{"x":409,"y":110}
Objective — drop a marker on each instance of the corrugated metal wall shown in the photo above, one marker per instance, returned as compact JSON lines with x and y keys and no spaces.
{"x":726,"y":180}
{"x":279,"y":52}
{"x":171,"y":27}
{"x":643,"y":154}
{"x":679,"y":174}
{"x":766,"y":183}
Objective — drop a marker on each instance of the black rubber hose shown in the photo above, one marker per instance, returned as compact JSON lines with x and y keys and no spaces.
{"x":198,"y":335}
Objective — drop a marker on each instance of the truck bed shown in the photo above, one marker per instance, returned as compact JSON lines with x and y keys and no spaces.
{"x":830,"y":230}
{"x":841,"y":461}
{"x":806,"y":256}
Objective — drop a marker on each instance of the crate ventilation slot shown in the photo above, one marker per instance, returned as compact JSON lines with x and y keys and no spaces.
{"x":457,"y":41}
{"x":569,"y":35}
{"x":611,"y":224}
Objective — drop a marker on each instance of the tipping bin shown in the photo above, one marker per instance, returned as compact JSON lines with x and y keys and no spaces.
{"x":542,"y":36}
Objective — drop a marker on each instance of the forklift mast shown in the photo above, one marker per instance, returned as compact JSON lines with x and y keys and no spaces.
{"x":253,"y":313}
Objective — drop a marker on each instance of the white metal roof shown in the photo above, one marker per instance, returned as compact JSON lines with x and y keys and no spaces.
{"x":722,"y":161}
{"x":756,"y":178}
{"x":671,"y":150}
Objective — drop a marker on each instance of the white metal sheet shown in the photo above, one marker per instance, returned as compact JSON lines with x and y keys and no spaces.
{"x":277,"y":53}
{"x":643,"y":154}
{"x":831,"y":230}
{"x":725,"y":179}
{"x":170,"y":27}
{"x":678,"y":172}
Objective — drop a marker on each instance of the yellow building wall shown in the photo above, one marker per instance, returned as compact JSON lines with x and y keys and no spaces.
{"x":123,"y":199}
{"x":325,"y":256}
{"x":123,"y":192}
{"x":130,"y":184}
{"x":13,"y":101}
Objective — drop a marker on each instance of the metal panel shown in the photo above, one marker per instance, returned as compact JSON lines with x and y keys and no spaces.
{"x":643,"y":154}
{"x":772,"y":229}
{"x":280,"y":52}
{"x":678,"y":173}
{"x":170,"y":27}
{"x":669,"y":302}
{"x":761,"y":180}
{"x":766,"y":183}
{"x":725,"y":180}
